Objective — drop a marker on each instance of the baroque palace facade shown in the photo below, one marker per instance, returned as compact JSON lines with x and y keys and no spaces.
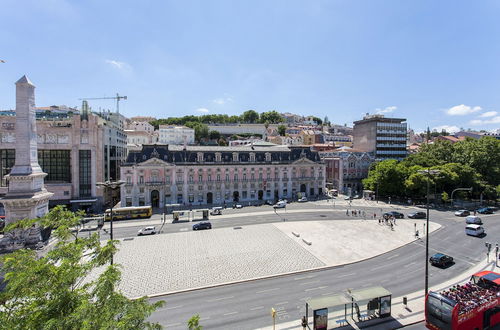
{"x":201,"y":175}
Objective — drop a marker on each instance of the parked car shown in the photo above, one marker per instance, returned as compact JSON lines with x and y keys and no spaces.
{"x":485,"y":210}
{"x":237,"y":206}
{"x":302,"y":199}
{"x":347,"y":198}
{"x":280,"y":205}
{"x":462,"y":213}
{"x":417,"y":215}
{"x":202,"y":225}
{"x":440,"y":259}
{"x":269,"y":202}
{"x":147,"y":231}
{"x":394,"y":214}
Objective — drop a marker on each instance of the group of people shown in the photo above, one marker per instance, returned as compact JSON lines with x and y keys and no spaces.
{"x":469,"y":296}
{"x":387,"y":220}
{"x":355,"y":213}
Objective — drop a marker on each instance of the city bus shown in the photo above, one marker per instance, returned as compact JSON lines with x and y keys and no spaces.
{"x":131,"y":212}
{"x":473,"y":305}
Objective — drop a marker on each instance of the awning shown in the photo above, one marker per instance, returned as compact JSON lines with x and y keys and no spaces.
{"x":83,"y":200}
{"x":369,"y":293}
{"x":330,"y":301}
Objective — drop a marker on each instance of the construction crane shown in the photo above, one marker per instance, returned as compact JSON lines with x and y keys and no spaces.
{"x":117,"y":98}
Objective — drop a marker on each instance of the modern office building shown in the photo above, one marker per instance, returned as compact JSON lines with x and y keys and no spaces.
{"x":385,"y":137}
{"x":199,"y":175}
{"x":73,"y":149}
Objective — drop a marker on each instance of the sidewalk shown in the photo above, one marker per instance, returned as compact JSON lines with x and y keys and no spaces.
{"x":401,"y":316}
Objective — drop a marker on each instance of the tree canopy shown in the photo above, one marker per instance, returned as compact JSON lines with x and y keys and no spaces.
{"x":470,"y":163}
{"x":56,"y":291}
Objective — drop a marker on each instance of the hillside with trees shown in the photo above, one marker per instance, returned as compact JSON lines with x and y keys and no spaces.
{"x":470,"y":163}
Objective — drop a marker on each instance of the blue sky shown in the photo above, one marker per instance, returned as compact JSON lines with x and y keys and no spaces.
{"x":436,"y":63}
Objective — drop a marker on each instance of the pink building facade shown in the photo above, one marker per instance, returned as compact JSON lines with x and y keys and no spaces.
{"x":195,"y":175}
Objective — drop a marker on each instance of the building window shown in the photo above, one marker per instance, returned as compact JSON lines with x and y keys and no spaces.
{"x":141,"y":179}
{"x":57,"y":165}
{"x":218,"y":177}
{"x":7,"y":160}
{"x":85,"y":171}
{"x":252,"y":157}
{"x":235,"y":157}
{"x":209,"y":178}
{"x":227,"y":177}
{"x":141,"y":190}
{"x":236,"y":177}
{"x":128,"y":201}
{"x":191,"y":179}
{"x":218,"y":156}
{"x":200,"y":156}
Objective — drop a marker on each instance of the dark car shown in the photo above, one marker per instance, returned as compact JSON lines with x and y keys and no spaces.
{"x":202,"y":225}
{"x":485,"y":210}
{"x":417,"y":215}
{"x":440,"y":259}
{"x":394,"y":214}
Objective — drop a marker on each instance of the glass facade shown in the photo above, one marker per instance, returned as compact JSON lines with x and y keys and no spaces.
{"x":7,"y":160}
{"x":85,"y":171}
{"x":57,"y":165}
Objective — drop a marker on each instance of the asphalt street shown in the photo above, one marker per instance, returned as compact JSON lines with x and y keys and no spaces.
{"x":247,"y":305}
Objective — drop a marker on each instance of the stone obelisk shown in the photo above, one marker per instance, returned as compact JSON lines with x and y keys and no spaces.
{"x":26,"y":196}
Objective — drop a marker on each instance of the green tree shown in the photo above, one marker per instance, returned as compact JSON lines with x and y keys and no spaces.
{"x":194,"y":323}
{"x":317,"y":120}
{"x":272,"y":117}
{"x":55,"y":291}
{"x":214,"y":135}
{"x":250,"y":116}
{"x":282,"y":130}
{"x":389,"y":176}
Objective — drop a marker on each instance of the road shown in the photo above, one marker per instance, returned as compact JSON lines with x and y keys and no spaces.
{"x":247,"y":305}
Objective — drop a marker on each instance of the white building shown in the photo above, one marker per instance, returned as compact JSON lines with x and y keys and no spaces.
{"x":169,"y":134}
{"x":143,"y":126}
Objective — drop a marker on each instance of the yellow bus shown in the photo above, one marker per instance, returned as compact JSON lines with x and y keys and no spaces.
{"x":132,"y":212}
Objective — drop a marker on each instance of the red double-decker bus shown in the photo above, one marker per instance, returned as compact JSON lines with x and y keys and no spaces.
{"x":473,"y":305}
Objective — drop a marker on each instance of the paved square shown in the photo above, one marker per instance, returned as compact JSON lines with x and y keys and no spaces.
{"x":166,"y":263}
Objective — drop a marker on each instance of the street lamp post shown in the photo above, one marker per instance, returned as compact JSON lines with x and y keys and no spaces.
{"x":113,"y":185}
{"x":429,"y":172}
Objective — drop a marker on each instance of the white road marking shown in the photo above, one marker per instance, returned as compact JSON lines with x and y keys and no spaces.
{"x":205,"y":318}
{"x":282,"y":303}
{"x":306,"y":283}
{"x":329,"y":293}
{"x":268,"y":290}
{"x":411,"y":263}
{"x":256,"y":308}
{"x":174,"y":307}
{"x":318,"y":288}
{"x":230,"y":313}
{"x":184,"y":229}
{"x":219,"y":299}
{"x":345,"y":275}
{"x":172,"y":325}
{"x":392,"y":257}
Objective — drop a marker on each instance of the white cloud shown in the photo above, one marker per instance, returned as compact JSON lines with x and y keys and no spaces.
{"x":447,"y":128}
{"x":203,"y":110}
{"x":488,"y":114}
{"x":222,"y":100}
{"x":386,"y":110}
{"x":494,"y":120}
{"x":118,"y":65}
{"x":462,"y":109}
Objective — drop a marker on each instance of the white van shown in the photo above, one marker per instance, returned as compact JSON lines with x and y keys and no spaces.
{"x":280,"y":205}
{"x":473,"y":220}
{"x":474,"y":230}
{"x":216,"y":210}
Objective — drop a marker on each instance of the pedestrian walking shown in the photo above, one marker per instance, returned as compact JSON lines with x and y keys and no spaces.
{"x":392,"y":227}
{"x":394,"y":221}
{"x":347,"y":212}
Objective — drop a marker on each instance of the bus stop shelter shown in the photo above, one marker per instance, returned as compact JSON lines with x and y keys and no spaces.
{"x":370,"y":303}
{"x":358,"y":305}
{"x":190,"y":215}
{"x":333,"y":308}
